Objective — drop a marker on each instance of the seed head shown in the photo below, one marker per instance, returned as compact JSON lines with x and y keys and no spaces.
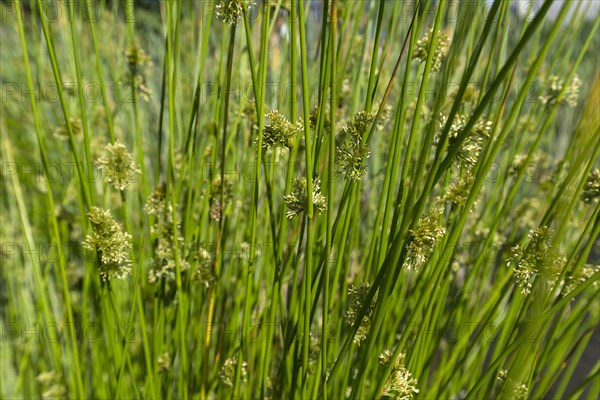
{"x":582,"y":275}
{"x":359,"y":125}
{"x":229,"y":11}
{"x":118,"y":166}
{"x":62,"y":132}
{"x":138,"y":62}
{"x":552,"y":88}
{"x":296,"y":201}
{"x":164,"y":362}
{"x":204,"y":274}
{"x":458,"y":191}
{"x":470,"y":148}
{"x":518,"y":164}
{"x":227,"y":373}
{"x":502,"y":374}
{"x":137,"y":59}
{"x":47,"y":378}
{"x":285,"y":4}
{"x":400,"y":384}
{"x":216,"y":210}
{"x":352,"y":152}
{"x":515,"y":390}
{"x":591,"y":188}
{"x":422,"y":240}
{"x":519,"y":391}
{"x":167,"y":237}
{"x":442,"y":46}
{"x":540,"y":257}
{"x":357,"y":297}
{"x":280,"y":133}
{"x":155,"y":204}
{"x":216,"y":186}
{"x":52,"y":387}
{"x":350,"y":158}
{"x":112,"y":244}
{"x":345,"y":95}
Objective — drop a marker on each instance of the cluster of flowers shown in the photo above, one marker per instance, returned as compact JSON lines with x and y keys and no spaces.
{"x":515,"y":390}
{"x":352,"y":152}
{"x":441,"y":47}
{"x":217,"y":210}
{"x":166,"y":238}
{"x":138,"y":62}
{"x":519,"y":163}
{"x":52,"y":385}
{"x":62,"y":132}
{"x":229,"y":11}
{"x":458,"y":191}
{"x":400,"y":384}
{"x":108,"y":238}
{"x":591,"y":188}
{"x":118,"y":166}
{"x":280,"y":133}
{"x":164,"y":362}
{"x":423,"y":238}
{"x":227,"y":374}
{"x":296,"y":201}
{"x":357,"y":297}
{"x":470,"y":148}
{"x":204,"y":273}
{"x":112,"y":244}
{"x":552,"y":88}
{"x":540,"y":257}
{"x":581,"y":275}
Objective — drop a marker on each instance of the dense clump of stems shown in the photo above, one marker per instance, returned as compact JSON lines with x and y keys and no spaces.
{"x":284,"y":199}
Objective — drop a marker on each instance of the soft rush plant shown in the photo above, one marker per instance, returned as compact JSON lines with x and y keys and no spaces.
{"x":291,"y":199}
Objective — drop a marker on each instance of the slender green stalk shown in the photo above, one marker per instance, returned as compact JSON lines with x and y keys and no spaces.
{"x":330,"y":194}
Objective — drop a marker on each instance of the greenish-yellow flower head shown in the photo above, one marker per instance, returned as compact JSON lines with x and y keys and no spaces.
{"x":112,"y":244}
{"x":441,"y":47}
{"x":352,"y":152}
{"x":471,"y":147}
{"x":357,"y":298}
{"x":280,"y":132}
{"x":591,"y":189}
{"x":538,"y":258}
{"x":400,"y":384}
{"x":166,"y":232}
{"x":227,"y":374}
{"x":62,"y":132}
{"x":118,"y":167}
{"x":229,"y":11}
{"x":553,"y":86}
{"x":421,"y":240}
{"x":297,"y":200}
